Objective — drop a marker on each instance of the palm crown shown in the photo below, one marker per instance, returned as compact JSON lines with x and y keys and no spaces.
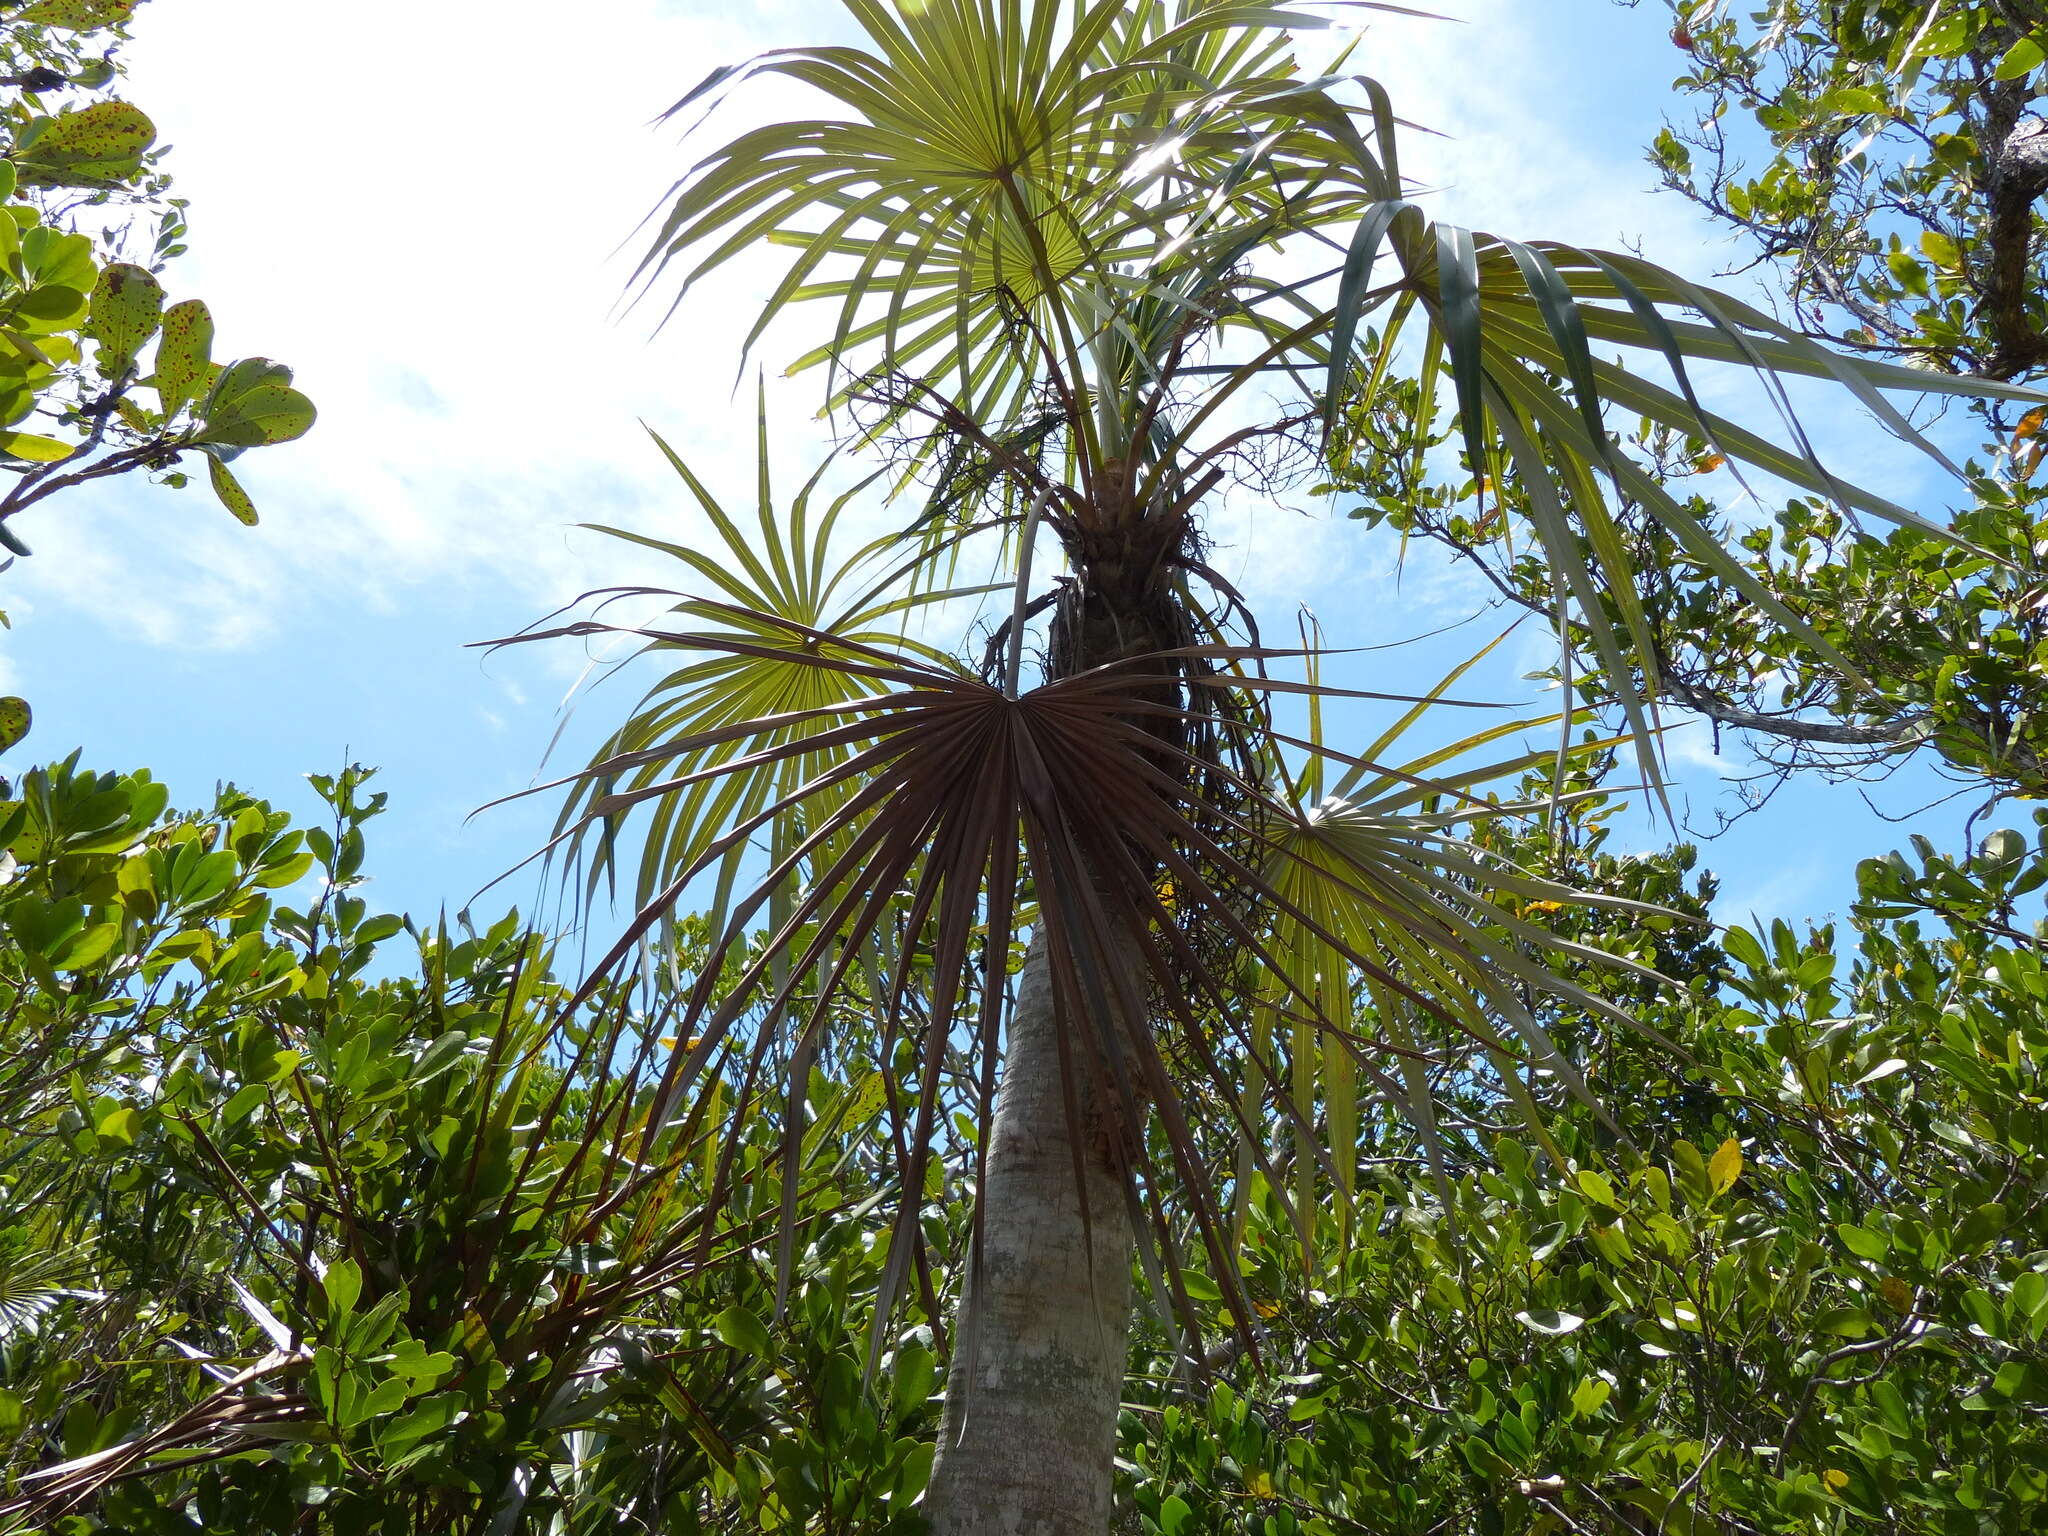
{"x":1059,"y":245}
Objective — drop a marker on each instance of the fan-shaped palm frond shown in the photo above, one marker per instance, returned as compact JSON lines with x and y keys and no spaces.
{"x":999,"y":161}
{"x":1378,"y":868}
{"x":35,"y":1281}
{"x":782,"y":573}
{"x":1062,"y":202}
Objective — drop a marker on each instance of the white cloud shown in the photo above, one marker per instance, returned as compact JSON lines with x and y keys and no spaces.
{"x":1690,"y":745}
{"x":429,"y":211}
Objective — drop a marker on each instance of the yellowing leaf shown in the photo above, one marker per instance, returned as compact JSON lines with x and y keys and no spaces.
{"x":1725,"y":1166}
{"x":230,"y":492}
{"x":1836,"y":1478}
{"x":76,"y":15}
{"x":27,"y":445}
{"x":2030,"y":424}
{"x":14,"y":721}
{"x":127,"y":303}
{"x":101,"y":142}
{"x":185,"y":354}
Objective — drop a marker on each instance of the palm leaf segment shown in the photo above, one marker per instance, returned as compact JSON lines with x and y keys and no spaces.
{"x":779,"y":574}
{"x":1054,"y":201}
{"x":1376,"y":867}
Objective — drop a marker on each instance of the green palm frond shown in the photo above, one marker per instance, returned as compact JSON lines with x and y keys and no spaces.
{"x":36,"y":1281}
{"x":1377,"y":867}
{"x":1066,"y":198}
{"x":1054,"y":162}
{"x":784,"y":571}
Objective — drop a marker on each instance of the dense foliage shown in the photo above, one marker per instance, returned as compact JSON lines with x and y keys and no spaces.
{"x":1804,"y":1288}
{"x":300,"y":1234}
{"x":286,"y":1242}
{"x":1888,"y":156}
{"x":1881,"y":168}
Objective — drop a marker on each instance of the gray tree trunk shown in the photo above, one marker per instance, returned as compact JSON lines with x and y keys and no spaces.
{"x":1026,"y":1445}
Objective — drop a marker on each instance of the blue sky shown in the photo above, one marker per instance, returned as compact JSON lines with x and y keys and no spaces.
{"x":432,"y":220}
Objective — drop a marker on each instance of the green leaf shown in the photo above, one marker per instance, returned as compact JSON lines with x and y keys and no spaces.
{"x":343,"y":1283}
{"x":1302,"y":1409}
{"x":230,"y":491}
{"x":2022,"y":56}
{"x":430,"y":1418}
{"x":268,"y":414}
{"x":1598,"y":1187}
{"x":741,"y":1330}
{"x":184,"y":356}
{"x":242,"y":1103}
{"x":1855,"y":101}
{"x":118,"y":1126}
{"x":2030,"y":1293}
{"x":88,"y":948}
{"x":127,"y":303}
{"x":1589,"y":1396}
{"x":439,"y":1056}
{"x":52,"y":303}
{"x":37,"y":450}
{"x":1549,"y":1320}
{"x":1979,"y":1227}
{"x":1984,"y":1312}
{"x":1174,"y":1512}
{"x":915,"y":1472}
{"x":1863,"y":1242}
{"x":916,"y":1375}
{"x":42,"y":927}
{"x":1845,"y":1322}
{"x":1742,"y":947}
{"x":15,"y":718}
{"x":65,"y":260}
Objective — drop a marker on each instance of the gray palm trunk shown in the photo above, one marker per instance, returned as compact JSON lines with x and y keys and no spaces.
{"x":1027,"y":1441}
{"x":1029,"y":1429}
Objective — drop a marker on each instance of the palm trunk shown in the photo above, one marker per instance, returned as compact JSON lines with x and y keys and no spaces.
{"x":1027,"y":1442}
{"x":1027,"y":1439}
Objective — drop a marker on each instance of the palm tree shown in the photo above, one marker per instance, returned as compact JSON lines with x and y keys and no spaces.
{"x":1062,"y":245}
